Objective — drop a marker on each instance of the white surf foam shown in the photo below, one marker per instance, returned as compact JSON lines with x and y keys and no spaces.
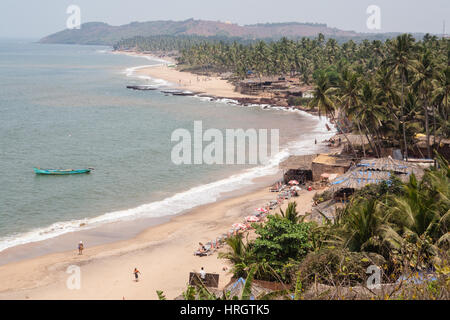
{"x":191,"y":198}
{"x":157,"y":83}
{"x":132,"y":71}
{"x":182,"y":201}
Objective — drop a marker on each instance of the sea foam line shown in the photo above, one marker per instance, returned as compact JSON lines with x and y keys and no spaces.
{"x":196,"y":196}
{"x":175,"y":204}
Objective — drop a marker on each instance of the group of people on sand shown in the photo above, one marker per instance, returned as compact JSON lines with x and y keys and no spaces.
{"x":333,"y":142}
{"x":136,"y":272}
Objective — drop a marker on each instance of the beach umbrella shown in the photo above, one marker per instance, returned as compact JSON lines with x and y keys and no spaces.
{"x":238,"y":226}
{"x":251,"y":219}
{"x":296,"y":188}
{"x":292,"y":182}
{"x":261,"y":210}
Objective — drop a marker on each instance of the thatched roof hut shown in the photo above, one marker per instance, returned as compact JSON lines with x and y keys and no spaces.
{"x":327,"y":163}
{"x":390,"y":164}
{"x":422,"y":140}
{"x":357,"y":179}
{"x":355,"y":139}
{"x":373,"y":171}
{"x":303,"y":162}
{"x":297,"y":168}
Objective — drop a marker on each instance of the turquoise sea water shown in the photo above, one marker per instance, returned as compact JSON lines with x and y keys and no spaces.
{"x":66,"y":106}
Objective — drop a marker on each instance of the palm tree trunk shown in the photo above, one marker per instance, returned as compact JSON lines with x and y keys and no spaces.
{"x":434,"y":125}
{"x":379,"y":140}
{"x":346,"y":138}
{"x":372,"y":146}
{"x":362,"y":140}
{"x":427,"y":130}
{"x":404,"y":118}
{"x":377,"y":144}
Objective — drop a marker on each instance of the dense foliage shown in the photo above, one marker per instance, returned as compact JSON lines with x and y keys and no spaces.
{"x":167,"y":43}
{"x":403,"y":227}
{"x":388,"y":92}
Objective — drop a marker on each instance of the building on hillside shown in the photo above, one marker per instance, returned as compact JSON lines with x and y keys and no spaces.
{"x":297,"y":168}
{"x":331,"y":164}
{"x":372,"y":171}
{"x":440,"y":144}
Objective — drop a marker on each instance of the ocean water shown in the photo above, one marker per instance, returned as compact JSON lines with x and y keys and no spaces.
{"x":67,"y":106}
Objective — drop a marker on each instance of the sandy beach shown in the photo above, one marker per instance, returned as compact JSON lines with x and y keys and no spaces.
{"x":163,"y":253}
{"x":212,"y":86}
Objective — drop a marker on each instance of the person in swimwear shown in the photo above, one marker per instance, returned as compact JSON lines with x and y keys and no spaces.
{"x":136,"y":274}
{"x":80,"y":247}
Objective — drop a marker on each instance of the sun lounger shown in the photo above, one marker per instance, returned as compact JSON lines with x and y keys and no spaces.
{"x":200,"y":253}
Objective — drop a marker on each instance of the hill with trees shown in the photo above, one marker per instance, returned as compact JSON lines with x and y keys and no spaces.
{"x":100,"y":33}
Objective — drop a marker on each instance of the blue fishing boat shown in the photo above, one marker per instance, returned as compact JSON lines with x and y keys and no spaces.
{"x":61,"y":171}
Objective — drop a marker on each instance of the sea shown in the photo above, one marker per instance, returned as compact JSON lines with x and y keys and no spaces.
{"x":67,"y":106}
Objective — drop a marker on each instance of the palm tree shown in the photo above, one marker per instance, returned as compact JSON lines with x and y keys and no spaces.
{"x":349,"y":99}
{"x":423,"y":84}
{"x":361,"y":225}
{"x":421,"y":215}
{"x":400,"y":61}
{"x":324,"y":99}
{"x":371,"y":114}
{"x":415,"y":211}
{"x":440,"y":96}
{"x":388,"y":96}
{"x":323,"y":96}
{"x":239,"y":254}
{"x":291,"y":213}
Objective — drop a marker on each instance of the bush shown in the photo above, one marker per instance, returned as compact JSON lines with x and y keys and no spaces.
{"x":281,"y":241}
{"x":337,"y":266}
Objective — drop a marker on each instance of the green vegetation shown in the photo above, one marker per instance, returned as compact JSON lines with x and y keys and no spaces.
{"x":167,"y":43}
{"x":387,"y":92}
{"x":403,"y":228}
{"x":100,"y":33}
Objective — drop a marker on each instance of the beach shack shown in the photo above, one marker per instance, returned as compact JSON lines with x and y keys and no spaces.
{"x":297,"y":168}
{"x":211,"y":280}
{"x":329,"y":164}
{"x":372,"y":171}
{"x":258,"y":288}
{"x":257,"y":85}
{"x":440,"y":144}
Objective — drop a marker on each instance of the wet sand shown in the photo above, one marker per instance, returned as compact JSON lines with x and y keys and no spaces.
{"x":163,"y":252}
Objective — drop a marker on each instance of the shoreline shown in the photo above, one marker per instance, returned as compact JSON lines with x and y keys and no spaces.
{"x":62,"y":228}
{"x":185,"y":83}
{"x":16,"y":276}
{"x":106,"y":269}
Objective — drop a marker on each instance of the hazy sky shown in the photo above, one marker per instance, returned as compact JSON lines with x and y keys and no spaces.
{"x":34,"y":19}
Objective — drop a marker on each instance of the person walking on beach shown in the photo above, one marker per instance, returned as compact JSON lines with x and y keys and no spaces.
{"x":80,"y":247}
{"x":136,"y":274}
